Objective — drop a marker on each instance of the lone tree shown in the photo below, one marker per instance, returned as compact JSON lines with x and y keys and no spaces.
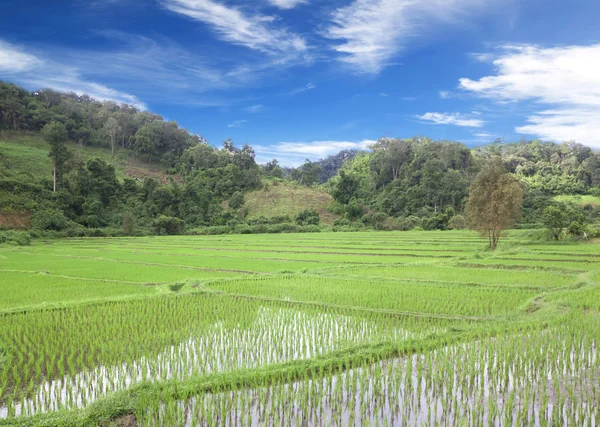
{"x":556,"y":218}
{"x":495,"y":201}
{"x":55,"y":134}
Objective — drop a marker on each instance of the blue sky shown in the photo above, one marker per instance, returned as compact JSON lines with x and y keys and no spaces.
{"x":306,"y":78}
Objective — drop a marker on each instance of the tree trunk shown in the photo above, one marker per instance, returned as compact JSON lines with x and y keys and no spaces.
{"x":54,"y":176}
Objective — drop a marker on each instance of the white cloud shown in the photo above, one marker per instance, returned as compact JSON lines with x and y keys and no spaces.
{"x":455,"y":119}
{"x":444,"y":94}
{"x":237,"y":124}
{"x":232,"y":25}
{"x":295,"y":153}
{"x":28,"y":69}
{"x":14,"y":60}
{"x":564,"y":79}
{"x":374,"y":31}
{"x":578,"y":124}
{"x":384,"y":94}
{"x":255,"y":108}
{"x":308,"y":86}
{"x":287,"y":4}
{"x":484,"y":135}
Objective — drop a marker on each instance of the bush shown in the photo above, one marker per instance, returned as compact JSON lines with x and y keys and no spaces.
{"x":308,"y":217}
{"x":209,"y":231}
{"x":595,"y":191}
{"x":76,"y":230}
{"x":310,"y":229}
{"x":342,"y":222}
{"x":457,"y":222}
{"x":19,"y":238}
{"x":167,"y":225}
{"x":49,"y":219}
{"x":410,"y":222}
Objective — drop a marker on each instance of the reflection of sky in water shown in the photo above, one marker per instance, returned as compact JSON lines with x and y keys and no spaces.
{"x":276,"y":335}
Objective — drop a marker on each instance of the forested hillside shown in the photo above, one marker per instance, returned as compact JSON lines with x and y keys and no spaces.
{"x":425,"y":183}
{"x":76,"y":166}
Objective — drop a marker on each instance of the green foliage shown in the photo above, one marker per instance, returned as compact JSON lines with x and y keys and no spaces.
{"x":19,"y":238}
{"x":495,"y":201}
{"x":308,"y":217}
{"x":236,"y":201}
{"x":49,"y":219}
{"x":167,"y":225}
{"x":457,"y":222}
{"x":128,"y":224}
{"x":556,"y":218}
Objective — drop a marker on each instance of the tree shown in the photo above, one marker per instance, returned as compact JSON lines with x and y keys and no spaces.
{"x":128,"y":224}
{"x":237,"y":200}
{"x":345,"y":188}
{"x":309,"y":173}
{"x":112,"y":128}
{"x":55,"y":134}
{"x":495,"y":201}
{"x":556,"y":218}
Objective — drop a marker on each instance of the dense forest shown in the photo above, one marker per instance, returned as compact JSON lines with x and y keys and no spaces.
{"x":396,"y":184}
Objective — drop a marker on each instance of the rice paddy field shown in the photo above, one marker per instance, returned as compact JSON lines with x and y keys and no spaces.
{"x":390,"y":328}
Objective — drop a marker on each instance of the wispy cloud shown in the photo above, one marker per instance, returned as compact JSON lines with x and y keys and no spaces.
{"x":153,"y":69}
{"x":256,"y":108}
{"x":444,"y":94}
{"x":287,"y":4}
{"x":13,"y":59}
{"x":237,"y":124}
{"x":295,"y":153}
{"x":308,"y":86}
{"x":231,"y":24}
{"x":454,"y":119}
{"x":26,"y":68}
{"x":374,"y":31}
{"x":565,"y":80}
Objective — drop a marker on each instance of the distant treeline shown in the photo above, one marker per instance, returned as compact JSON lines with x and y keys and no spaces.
{"x":396,"y":184}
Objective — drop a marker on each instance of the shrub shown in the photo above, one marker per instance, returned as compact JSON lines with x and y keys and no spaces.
{"x":167,"y":225}
{"x":308,"y":217}
{"x":457,"y":222}
{"x":19,"y":238}
{"x":342,"y":222}
{"x":49,"y":219}
{"x":410,"y":222}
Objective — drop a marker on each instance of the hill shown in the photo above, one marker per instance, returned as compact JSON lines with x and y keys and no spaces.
{"x":27,"y":153}
{"x":286,"y":198}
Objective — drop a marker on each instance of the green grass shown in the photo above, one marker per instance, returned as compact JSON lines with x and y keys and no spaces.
{"x":283,"y":198}
{"x":581,"y":200}
{"x":93,"y":329}
{"x":27,"y":153}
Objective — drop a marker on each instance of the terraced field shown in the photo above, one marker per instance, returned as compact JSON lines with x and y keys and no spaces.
{"x":306,"y":329}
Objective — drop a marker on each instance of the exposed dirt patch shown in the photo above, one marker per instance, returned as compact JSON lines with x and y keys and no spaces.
{"x":128,"y":420}
{"x":15,"y":220}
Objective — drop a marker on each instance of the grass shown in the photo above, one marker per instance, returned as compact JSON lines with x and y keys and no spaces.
{"x":27,"y":153}
{"x":205,"y":330}
{"x":581,"y":200}
{"x":283,"y":198}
